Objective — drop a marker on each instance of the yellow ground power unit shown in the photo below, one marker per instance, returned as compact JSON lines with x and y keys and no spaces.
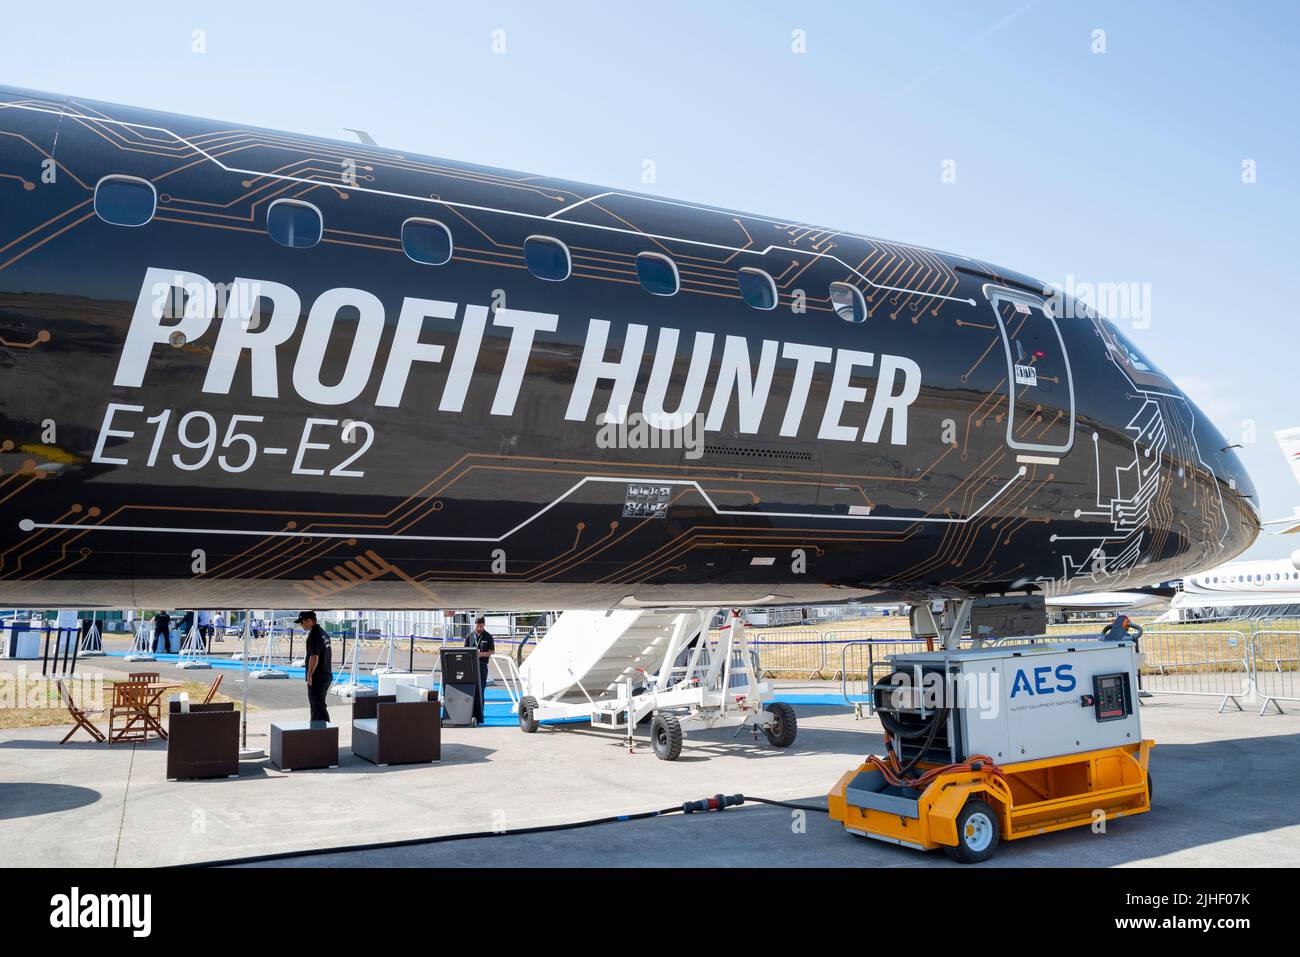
{"x":1000,"y":743}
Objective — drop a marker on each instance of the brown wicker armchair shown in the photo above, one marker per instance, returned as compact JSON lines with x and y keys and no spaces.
{"x":389,"y":730}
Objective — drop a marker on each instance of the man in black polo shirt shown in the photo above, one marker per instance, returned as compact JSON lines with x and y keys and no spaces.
{"x":319,"y":665}
{"x":481,"y":639}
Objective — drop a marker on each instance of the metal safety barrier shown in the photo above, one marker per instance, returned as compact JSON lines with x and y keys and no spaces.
{"x":864,"y":661}
{"x":837,"y":639}
{"x":1188,"y":660}
{"x":798,"y":652}
{"x":1216,"y":663}
{"x":1226,"y":659}
{"x":1277,"y":667}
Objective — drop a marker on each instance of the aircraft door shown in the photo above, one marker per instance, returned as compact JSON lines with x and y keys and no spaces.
{"x":1040,"y":388}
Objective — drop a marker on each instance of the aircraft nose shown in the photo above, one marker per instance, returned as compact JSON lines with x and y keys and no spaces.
{"x":1232,"y":473}
{"x":1236,"y":489}
{"x":1213,"y":499}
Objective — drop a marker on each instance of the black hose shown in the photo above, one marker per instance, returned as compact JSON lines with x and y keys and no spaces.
{"x":939,"y":718}
{"x":890,"y":724}
{"x":792,"y":806}
{"x":684,"y":808}
{"x":440,"y":839}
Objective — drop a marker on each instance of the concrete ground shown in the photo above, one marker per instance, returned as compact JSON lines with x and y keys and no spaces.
{"x":1225,"y":787}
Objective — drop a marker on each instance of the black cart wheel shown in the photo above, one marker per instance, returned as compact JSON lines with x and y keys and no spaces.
{"x":666,"y":737}
{"x":781,"y":732}
{"x":978,"y":833}
{"x":1151,"y":791}
{"x":528,"y":723}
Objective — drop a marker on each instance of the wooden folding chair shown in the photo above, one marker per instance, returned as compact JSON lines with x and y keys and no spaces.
{"x":212,"y":691}
{"x":129,"y":708}
{"x":147,"y":677}
{"x":80,"y":715}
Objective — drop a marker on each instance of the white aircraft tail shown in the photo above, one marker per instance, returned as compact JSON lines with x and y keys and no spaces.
{"x":1289,"y":441}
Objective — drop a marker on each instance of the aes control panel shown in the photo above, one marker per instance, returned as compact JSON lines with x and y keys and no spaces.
{"x":1111,"y":697}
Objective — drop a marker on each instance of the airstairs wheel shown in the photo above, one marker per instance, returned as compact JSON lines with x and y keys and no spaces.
{"x":666,"y":737}
{"x":978,"y":833}
{"x":781,"y":732}
{"x":528,"y":722}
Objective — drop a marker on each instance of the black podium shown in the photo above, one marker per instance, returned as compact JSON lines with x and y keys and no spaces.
{"x":462,"y":687}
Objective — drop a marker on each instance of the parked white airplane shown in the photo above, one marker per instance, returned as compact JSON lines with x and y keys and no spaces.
{"x":1259,"y":589}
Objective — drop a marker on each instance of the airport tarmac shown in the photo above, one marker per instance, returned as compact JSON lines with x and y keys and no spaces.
{"x":1224,"y":785}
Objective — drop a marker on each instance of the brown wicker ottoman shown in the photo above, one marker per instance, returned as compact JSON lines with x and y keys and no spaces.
{"x":298,"y":745}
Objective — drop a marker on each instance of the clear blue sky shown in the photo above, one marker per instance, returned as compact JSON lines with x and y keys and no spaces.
{"x":1119,"y":167}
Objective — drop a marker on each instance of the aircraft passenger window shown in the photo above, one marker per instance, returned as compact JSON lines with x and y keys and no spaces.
{"x":294,"y":224}
{"x":658,"y":274}
{"x":125,"y":200}
{"x":757,"y":288}
{"x":547,"y":258}
{"x":426,"y":241}
{"x":848,"y":302}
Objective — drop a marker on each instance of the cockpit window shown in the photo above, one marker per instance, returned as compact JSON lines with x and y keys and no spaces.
{"x":1130,"y":358}
{"x":1136,"y":358}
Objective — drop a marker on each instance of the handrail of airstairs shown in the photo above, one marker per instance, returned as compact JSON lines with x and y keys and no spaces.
{"x":510,"y":677}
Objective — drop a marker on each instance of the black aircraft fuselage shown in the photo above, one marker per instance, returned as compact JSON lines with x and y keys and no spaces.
{"x":588,"y":404}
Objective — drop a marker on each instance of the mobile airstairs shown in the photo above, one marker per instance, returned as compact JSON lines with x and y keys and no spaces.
{"x":616,"y":668}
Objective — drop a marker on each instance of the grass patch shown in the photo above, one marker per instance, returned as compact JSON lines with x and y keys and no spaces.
{"x":36,"y":704}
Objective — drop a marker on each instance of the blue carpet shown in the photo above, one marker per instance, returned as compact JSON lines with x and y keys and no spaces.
{"x":818,"y":700}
